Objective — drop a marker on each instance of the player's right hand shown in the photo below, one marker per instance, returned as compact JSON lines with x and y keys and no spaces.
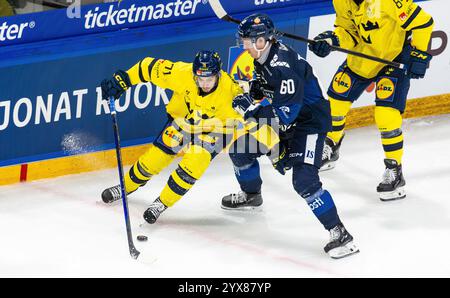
{"x":418,"y":63}
{"x":324,"y":41}
{"x":244,"y":105}
{"x":115,"y":86}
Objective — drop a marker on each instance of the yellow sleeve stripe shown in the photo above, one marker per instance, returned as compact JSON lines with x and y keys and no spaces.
{"x":412,"y":17}
{"x":138,"y":73}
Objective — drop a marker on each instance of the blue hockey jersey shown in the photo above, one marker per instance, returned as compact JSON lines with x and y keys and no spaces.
{"x":294,"y":91}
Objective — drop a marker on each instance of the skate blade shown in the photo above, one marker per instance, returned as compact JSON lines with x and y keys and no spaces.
{"x":343,"y":251}
{"x":113,"y":203}
{"x":329,"y":166}
{"x":243,"y":209}
{"x":393,"y":195}
{"x":102,"y":203}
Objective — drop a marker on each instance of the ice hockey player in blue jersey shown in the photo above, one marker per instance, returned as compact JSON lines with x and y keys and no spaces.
{"x":287,"y":94}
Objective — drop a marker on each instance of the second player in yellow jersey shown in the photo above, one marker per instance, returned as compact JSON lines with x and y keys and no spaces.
{"x":395,"y":30}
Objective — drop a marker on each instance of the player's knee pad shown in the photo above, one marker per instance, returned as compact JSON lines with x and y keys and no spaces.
{"x":149,"y":164}
{"x":154,"y":160}
{"x":339,"y":111}
{"x":339,"y":107}
{"x":305,"y":180}
{"x":387,"y":119}
{"x":195,"y":161}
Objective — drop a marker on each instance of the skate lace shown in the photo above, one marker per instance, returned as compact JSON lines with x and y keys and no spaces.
{"x":389,"y":176}
{"x":240,"y":197}
{"x":335,"y":233}
{"x":116,"y":192}
{"x":326,"y":154}
{"x":157,"y":207}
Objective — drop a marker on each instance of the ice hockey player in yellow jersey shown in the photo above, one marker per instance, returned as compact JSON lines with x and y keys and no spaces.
{"x":201,"y":122}
{"x":395,"y":30}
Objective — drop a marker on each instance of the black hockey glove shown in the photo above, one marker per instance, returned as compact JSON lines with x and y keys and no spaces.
{"x":419,"y":61}
{"x":279,"y":157}
{"x":256,"y":90}
{"x":323,"y":42}
{"x":115,"y":86}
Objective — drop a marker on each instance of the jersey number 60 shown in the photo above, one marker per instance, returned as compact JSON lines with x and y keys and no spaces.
{"x":287,"y":86}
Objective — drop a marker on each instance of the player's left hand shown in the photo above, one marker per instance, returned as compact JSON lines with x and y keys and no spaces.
{"x":419,"y":61}
{"x":243,"y":104}
{"x":280,"y":161}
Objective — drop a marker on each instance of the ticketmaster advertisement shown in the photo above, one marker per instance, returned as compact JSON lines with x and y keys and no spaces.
{"x":86,"y":19}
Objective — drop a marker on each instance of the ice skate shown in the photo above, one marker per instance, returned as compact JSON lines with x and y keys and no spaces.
{"x":112,"y":194}
{"x":242,"y":201}
{"x":341,"y":243}
{"x":154,"y":211}
{"x":393,"y":185}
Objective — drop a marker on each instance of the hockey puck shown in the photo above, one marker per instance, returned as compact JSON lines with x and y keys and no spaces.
{"x":142,"y":238}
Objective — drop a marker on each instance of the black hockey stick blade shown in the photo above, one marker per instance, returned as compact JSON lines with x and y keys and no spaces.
{"x":221,"y":13}
{"x":134,"y":252}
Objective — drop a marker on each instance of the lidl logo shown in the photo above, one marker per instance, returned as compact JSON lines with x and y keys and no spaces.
{"x":385,"y":88}
{"x":342,"y":83}
{"x":171,"y":137}
{"x":240,"y":64}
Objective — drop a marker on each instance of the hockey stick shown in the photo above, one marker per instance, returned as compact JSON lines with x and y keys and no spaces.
{"x":133,"y":251}
{"x":222,"y":14}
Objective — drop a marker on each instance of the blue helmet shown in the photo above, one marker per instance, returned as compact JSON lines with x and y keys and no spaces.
{"x":255,"y":26}
{"x":206,"y":64}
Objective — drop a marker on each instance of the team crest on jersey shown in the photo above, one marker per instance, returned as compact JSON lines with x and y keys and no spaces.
{"x":342,"y":83}
{"x":240,"y":64}
{"x":172,"y":137}
{"x":386,"y":89}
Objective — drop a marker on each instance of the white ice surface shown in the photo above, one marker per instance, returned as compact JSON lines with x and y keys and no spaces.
{"x":57,"y":227}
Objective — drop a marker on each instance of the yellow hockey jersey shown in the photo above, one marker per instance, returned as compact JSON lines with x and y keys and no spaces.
{"x":213,"y":112}
{"x":380,"y":28}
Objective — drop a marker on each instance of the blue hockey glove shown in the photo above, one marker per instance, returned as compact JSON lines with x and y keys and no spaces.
{"x":243,"y":104}
{"x":115,"y":86}
{"x":280,"y":159}
{"x":419,"y":61}
{"x":323,"y":42}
